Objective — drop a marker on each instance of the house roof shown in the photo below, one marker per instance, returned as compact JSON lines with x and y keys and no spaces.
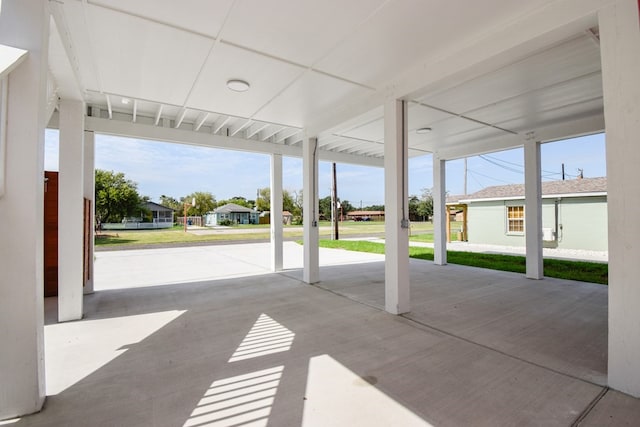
{"x":152,"y":206}
{"x":233,"y":208}
{"x":568,"y":188}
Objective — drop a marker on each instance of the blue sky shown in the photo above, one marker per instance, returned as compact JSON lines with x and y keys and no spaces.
{"x":177,"y":170}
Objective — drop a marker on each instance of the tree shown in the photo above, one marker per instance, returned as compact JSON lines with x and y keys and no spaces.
{"x":116,"y":196}
{"x":238,"y":200}
{"x":425,"y":206}
{"x":374,"y":208}
{"x":324,"y":206}
{"x":205,"y":202}
{"x":346,"y":206}
{"x":263,"y":204}
{"x":297,"y":204}
{"x":414,"y":202}
{"x":170,"y":202}
{"x":288,"y":203}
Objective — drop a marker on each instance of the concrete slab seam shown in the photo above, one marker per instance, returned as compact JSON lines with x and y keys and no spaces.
{"x":590,"y":407}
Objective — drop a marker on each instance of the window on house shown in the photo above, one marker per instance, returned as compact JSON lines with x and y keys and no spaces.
{"x":515,"y":219}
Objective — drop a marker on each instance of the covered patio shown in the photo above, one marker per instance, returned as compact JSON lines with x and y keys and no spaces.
{"x":369,"y":82}
{"x":243,"y":346}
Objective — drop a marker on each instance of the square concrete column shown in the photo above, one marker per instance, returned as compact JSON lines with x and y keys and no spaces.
{"x":275,"y":214}
{"x":24,"y":24}
{"x":533,"y":210}
{"x":311,"y":272}
{"x":440,"y":219}
{"x":396,"y":201}
{"x":71,"y":211}
{"x":620,"y":50}
{"x":89,"y":193}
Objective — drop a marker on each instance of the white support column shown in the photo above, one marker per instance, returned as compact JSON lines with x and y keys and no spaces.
{"x":23,"y":24}
{"x":70,"y":211}
{"x":311,"y":272}
{"x":396,"y":200}
{"x":620,"y":50}
{"x":275,"y":214}
{"x":533,"y":210}
{"x":439,"y":211}
{"x":89,"y":193}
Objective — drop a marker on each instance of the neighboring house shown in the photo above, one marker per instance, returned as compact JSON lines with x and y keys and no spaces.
{"x":160,"y":214}
{"x":232,"y":212}
{"x":287,"y":217}
{"x":366,"y":215}
{"x":162,"y":217}
{"x":574,"y":214}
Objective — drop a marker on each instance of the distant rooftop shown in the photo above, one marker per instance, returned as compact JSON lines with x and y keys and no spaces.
{"x":549,"y":188}
{"x":232,"y":208}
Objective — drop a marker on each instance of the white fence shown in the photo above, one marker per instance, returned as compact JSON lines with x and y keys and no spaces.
{"x":136,"y":225}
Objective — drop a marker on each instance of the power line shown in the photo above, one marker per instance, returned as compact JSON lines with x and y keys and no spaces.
{"x":488,"y":176}
{"x":476,"y":181}
{"x":493,"y":161}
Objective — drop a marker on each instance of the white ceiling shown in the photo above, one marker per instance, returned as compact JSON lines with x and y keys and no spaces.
{"x":309,"y":60}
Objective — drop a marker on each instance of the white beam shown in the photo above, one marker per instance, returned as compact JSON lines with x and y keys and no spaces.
{"x":282,"y":136}
{"x":183,"y":136}
{"x":236,"y":129}
{"x":24,"y":24}
{"x":275,"y":214}
{"x":180,"y":118}
{"x":268,"y":134}
{"x":10,"y":58}
{"x":311,"y":271}
{"x":70,"y":211}
{"x":569,"y":129}
{"x":620,"y":44}
{"x":257,"y":129}
{"x":135,"y":110}
{"x":332,"y":156}
{"x":158,"y":114}
{"x":109,"y":109}
{"x":198,"y":124}
{"x":439,"y":211}
{"x":89,"y":193}
{"x":220,"y":124}
{"x":396,"y":200}
{"x":533,"y":209}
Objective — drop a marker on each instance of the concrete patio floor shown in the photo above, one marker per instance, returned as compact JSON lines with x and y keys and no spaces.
{"x":206,"y":336}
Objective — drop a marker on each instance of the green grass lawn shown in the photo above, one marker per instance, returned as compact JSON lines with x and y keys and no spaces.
{"x":425,"y":237}
{"x":562,"y":269}
{"x":177,"y":234}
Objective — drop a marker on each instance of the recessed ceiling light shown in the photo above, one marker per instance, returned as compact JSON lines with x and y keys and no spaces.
{"x":423,"y":130}
{"x":238,"y":85}
{"x":126,"y":101}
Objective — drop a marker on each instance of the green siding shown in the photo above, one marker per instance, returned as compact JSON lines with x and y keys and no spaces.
{"x":582,"y":223}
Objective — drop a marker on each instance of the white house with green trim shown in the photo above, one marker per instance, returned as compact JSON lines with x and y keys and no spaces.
{"x":574,"y":214}
{"x":232,"y":212}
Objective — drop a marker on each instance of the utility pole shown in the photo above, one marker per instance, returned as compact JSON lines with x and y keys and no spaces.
{"x":465,"y":176}
{"x":563,"y":171}
{"x":334,"y":204}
